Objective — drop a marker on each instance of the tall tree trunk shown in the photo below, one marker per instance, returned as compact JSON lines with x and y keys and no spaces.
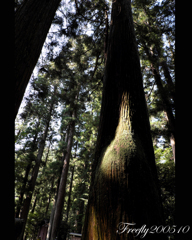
{"x":163,"y":95}
{"x":50,"y":195}
{"x":48,"y":237}
{"x":47,"y":155}
{"x":23,"y":189}
{"x":124,"y":187}
{"x":51,"y":220}
{"x":69,"y":198}
{"x":168,"y":79}
{"x":32,"y":22}
{"x":28,"y":168}
{"x":79,"y":216}
{"x":32,"y":183}
{"x":165,"y":99}
{"x":106,"y":34}
{"x":35,"y":203}
{"x":172,"y":139}
{"x":81,"y":207}
{"x":167,"y":107}
{"x":63,"y":181}
{"x":162,"y":92}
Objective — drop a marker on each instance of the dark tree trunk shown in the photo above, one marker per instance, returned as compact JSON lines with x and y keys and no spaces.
{"x":34,"y":204}
{"x":63,"y":181}
{"x":23,"y":189}
{"x":79,"y":217}
{"x":28,"y":168}
{"x":106,"y":35}
{"x":165,"y":100}
{"x":18,"y":227}
{"x":163,"y":95}
{"x":124,"y":185}
{"x":32,"y":22}
{"x":55,"y":202}
{"x":50,"y":195}
{"x":168,"y":79}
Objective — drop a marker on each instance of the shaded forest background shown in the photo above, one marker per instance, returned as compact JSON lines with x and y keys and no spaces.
{"x":66,"y":87}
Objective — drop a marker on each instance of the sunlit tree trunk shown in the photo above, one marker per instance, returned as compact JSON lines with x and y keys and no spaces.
{"x":124,"y":187}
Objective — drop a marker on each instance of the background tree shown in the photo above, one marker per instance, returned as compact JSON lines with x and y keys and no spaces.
{"x":44,"y":112}
{"x":153,"y":37}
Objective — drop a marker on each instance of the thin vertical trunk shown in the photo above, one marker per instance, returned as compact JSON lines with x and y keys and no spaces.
{"x":165,"y":99}
{"x":79,"y":217}
{"x":34,"y":205}
{"x":50,"y":194}
{"x":51,"y":220}
{"x":55,"y":202}
{"x":32,"y":22}
{"x":23,"y":189}
{"x":106,"y":35}
{"x":168,"y":79}
{"x":28,"y":168}
{"x":47,"y":153}
{"x":32,"y":182}
{"x":172,"y":141}
{"x":63,"y":181}
{"x":69,"y":198}
{"x":70,"y":188}
{"x":124,"y":186}
{"x":69,"y":201}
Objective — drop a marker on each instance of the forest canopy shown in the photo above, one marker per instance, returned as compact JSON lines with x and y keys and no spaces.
{"x":58,"y":119}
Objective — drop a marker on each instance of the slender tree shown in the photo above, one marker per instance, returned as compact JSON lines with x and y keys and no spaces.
{"x":32,"y":182}
{"x":149,"y":18}
{"x":63,"y":180}
{"x":30,"y":158}
{"x":124,"y":187}
{"x":33,"y":19}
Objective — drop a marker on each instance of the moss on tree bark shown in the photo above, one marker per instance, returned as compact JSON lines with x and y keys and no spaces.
{"x":124,"y":184}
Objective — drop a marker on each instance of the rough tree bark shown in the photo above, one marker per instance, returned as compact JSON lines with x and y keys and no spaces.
{"x":32,"y":22}
{"x":124,"y":187}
